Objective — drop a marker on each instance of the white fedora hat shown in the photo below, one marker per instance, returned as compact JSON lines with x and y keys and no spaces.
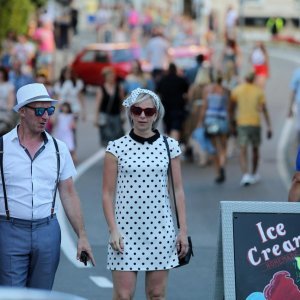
{"x":32,"y":92}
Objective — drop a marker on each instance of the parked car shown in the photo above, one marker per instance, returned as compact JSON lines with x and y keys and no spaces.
{"x":89,"y":63}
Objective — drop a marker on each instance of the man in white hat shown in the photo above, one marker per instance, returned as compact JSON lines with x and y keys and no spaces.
{"x":34,"y":166}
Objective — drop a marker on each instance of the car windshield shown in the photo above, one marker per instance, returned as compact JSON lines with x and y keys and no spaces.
{"x":122,"y":55}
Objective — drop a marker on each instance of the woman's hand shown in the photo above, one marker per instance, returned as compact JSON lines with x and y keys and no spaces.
{"x":116,"y":241}
{"x":182,"y":244}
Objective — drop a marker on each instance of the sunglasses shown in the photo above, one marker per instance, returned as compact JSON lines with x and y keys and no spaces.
{"x":39,"y":111}
{"x":149,"y":111}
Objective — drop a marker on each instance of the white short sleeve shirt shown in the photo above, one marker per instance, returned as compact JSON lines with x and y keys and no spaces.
{"x":30,"y":183}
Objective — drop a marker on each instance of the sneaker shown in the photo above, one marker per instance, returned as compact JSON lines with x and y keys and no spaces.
{"x":255,"y":178}
{"x":246,"y":180}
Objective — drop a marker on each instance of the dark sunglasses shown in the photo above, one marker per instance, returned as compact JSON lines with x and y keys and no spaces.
{"x":39,"y":111}
{"x":149,"y":111}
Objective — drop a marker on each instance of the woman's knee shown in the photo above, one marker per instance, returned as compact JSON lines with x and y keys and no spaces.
{"x":123,"y":294}
{"x":124,"y":285}
{"x":156,"y":283}
{"x":156,"y":293}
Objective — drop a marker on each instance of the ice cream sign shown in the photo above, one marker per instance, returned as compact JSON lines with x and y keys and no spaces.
{"x":261,"y":251}
{"x":280,"y":247}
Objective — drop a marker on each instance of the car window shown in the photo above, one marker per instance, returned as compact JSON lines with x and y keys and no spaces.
{"x":101,"y":56}
{"x":88,"y":56}
{"x":122,"y":55}
{"x":94,"y":56}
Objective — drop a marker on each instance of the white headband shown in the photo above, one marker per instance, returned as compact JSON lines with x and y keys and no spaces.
{"x":134,"y":95}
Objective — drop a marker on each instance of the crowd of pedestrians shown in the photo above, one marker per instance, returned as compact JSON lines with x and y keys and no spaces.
{"x":196,"y":98}
{"x":209,"y":111}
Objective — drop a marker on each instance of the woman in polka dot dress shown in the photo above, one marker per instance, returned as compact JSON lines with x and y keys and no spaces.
{"x":136,"y":202}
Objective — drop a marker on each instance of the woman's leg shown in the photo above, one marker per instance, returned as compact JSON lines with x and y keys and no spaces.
{"x":156,"y":284}
{"x":223,"y":150}
{"x":124,"y":284}
{"x":219,"y":142}
{"x":216,"y":158}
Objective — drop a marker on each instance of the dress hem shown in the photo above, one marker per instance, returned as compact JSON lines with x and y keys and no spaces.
{"x":143,"y":269}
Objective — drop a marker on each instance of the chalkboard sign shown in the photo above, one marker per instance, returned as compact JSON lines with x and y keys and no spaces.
{"x":260,"y":247}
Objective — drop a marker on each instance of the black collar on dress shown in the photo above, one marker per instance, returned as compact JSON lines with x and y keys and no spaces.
{"x":142,"y":140}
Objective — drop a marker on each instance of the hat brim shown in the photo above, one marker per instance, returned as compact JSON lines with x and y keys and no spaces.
{"x":37,"y":99}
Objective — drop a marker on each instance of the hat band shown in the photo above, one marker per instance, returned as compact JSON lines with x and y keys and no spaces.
{"x":39,"y":97}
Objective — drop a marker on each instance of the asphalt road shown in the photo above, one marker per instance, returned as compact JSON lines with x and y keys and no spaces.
{"x":195,"y":281}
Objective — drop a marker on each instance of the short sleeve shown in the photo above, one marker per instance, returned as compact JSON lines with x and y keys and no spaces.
{"x":67,"y":165}
{"x":174,"y":148}
{"x":262,"y":97}
{"x":111,"y":148}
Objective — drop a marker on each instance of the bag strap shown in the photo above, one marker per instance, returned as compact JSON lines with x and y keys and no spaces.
{"x":57,"y":176}
{"x":171,"y":177}
{"x":3,"y":181}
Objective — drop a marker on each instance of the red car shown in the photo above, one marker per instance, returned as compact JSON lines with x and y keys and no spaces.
{"x":89,"y":63}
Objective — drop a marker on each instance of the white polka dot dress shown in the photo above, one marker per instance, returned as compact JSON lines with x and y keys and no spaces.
{"x":142,"y":207}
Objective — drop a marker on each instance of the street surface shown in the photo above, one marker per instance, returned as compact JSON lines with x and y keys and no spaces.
{"x":195,"y":281}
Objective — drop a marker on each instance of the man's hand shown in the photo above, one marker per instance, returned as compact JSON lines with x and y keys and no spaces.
{"x":84,"y":246}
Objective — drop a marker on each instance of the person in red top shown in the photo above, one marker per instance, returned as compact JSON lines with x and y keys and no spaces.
{"x":260,"y":63}
{"x":46,"y":46}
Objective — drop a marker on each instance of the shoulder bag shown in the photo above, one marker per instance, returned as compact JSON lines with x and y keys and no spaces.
{"x":184,"y":260}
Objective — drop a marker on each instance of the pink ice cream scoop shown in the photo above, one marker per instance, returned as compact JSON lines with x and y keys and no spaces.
{"x":282,"y":286}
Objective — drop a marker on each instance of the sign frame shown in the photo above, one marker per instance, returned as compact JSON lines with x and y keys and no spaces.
{"x":226,"y":242}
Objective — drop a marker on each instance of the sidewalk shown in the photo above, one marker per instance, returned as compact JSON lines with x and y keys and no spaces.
{"x":64,"y":57}
{"x":87,"y":133}
{"x":289,"y":35}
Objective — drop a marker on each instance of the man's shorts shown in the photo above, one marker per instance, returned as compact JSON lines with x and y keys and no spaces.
{"x":249,"y":135}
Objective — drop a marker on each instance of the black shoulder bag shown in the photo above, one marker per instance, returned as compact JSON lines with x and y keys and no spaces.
{"x":185,"y":260}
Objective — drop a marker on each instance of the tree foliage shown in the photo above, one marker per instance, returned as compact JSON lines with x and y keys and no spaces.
{"x":39,"y":3}
{"x":15,"y":15}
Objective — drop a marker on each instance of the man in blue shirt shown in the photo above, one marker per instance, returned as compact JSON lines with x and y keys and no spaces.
{"x":295,"y":98}
{"x":294,"y":192}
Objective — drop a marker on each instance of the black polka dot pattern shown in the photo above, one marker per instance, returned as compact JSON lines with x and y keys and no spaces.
{"x":142,"y":207}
